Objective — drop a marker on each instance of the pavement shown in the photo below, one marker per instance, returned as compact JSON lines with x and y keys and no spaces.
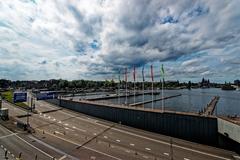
{"x":65,"y":134}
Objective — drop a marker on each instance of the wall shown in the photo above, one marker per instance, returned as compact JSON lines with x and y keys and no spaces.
{"x":188,"y":127}
{"x":230,"y":134}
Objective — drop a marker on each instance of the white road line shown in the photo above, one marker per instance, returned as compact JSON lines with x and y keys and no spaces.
{"x":63,"y":157}
{"x":127,"y":151}
{"x":118,"y":140}
{"x":69,"y":129}
{"x":148,"y":149}
{"x":131,"y":144}
{"x":140,"y":136}
{"x":35,"y":147}
{"x":61,"y":152}
{"x":79,"y":129}
{"x":29,"y":144}
{"x":167,"y":154}
{"x":201,"y":152}
{"x":83,"y":146}
{"x":58,"y":133}
{"x":186,"y":159}
{"x":60,"y":122}
{"x":9,"y":135}
{"x":162,"y":142}
{"x":145,"y":157}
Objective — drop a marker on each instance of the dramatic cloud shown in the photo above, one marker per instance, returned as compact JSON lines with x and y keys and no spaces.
{"x":74,"y":39}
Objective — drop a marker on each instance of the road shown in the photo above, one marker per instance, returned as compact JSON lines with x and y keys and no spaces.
{"x":18,"y":147}
{"x":71,"y":135}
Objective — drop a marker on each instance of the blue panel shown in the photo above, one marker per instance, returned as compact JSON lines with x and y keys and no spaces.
{"x":46,"y":95}
{"x":19,"y":97}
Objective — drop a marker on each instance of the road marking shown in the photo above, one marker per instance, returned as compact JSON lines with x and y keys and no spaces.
{"x":167,"y":154}
{"x":118,"y":140}
{"x":127,"y":151}
{"x":80,"y":129}
{"x":63,"y":157}
{"x":148,"y":149}
{"x":69,"y":141}
{"x":60,"y":122}
{"x":186,"y":159}
{"x":140,"y":136}
{"x":9,"y":135}
{"x":35,"y":147}
{"x":58,"y":133}
{"x":53,"y":148}
{"x":145,"y":157}
{"x":131,"y":144}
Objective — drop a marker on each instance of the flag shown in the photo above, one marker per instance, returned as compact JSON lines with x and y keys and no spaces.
{"x":143,"y":73}
{"x":162,"y":71}
{"x":126,"y":74}
{"x":152,"y":73}
{"x":134,"y":73}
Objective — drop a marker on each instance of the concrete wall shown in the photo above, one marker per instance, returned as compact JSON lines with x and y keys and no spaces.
{"x":188,"y":127}
{"x":229,"y":129}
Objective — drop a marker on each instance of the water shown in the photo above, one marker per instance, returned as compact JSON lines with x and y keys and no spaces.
{"x":191,"y":100}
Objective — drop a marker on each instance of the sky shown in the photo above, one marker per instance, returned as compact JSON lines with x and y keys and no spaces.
{"x":94,"y":39}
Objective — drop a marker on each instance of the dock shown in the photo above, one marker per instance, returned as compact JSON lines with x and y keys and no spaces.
{"x":158,"y":99}
{"x":209,"y":109}
{"x":120,"y":96}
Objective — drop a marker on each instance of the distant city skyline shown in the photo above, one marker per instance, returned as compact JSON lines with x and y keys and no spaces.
{"x":41,"y":39}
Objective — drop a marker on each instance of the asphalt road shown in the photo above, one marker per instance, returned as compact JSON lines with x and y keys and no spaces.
{"x":17,"y":147}
{"x":71,"y":135}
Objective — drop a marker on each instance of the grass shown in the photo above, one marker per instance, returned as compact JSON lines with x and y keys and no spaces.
{"x":8,"y":95}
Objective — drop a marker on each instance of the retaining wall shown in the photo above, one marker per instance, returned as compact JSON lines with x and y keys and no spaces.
{"x":189,"y":127}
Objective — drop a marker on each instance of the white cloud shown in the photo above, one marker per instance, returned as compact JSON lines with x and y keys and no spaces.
{"x":79,"y":39}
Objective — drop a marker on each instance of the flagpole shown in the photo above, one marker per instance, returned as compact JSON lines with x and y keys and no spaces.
{"x":126,"y":86}
{"x":134,"y":93}
{"x":143,"y":92}
{"x":143,"y":85}
{"x":152,"y":94}
{"x":134,"y":84}
{"x":162,"y":71}
{"x":152,"y":83}
{"x":162,"y":98}
{"x":119,"y":79}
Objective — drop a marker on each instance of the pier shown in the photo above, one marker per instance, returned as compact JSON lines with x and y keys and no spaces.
{"x":158,"y":99}
{"x":209,"y":109}
{"x":120,"y":96}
